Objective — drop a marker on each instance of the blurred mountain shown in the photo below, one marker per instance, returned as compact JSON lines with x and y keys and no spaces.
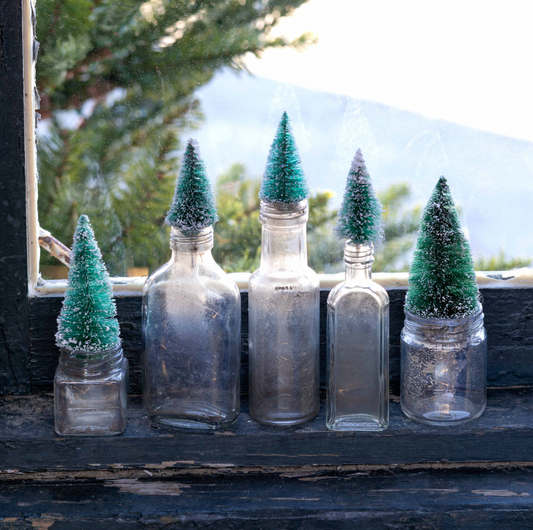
{"x":491,"y":176}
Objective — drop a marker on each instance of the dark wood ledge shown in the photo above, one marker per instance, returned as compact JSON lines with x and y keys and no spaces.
{"x":508,"y":320}
{"x":28,"y":443}
{"x":335,"y":499}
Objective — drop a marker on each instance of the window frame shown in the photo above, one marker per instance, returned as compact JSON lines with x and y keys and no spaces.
{"x":19,"y":249}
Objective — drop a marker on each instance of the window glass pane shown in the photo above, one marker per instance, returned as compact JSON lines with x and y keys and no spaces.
{"x":423,"y":89}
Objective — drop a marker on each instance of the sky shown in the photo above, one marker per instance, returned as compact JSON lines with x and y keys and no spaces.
{"x":464,"y":61}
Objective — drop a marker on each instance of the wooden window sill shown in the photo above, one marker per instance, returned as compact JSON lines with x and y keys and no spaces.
{"x":504,"y":433}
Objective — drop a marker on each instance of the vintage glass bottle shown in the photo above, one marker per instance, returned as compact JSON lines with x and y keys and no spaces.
{"x":284,"y":321}
{"x":90,"y":392}
{"x":444,"y":368}
{"x":191,"y":336}
{"x":358,"y":347}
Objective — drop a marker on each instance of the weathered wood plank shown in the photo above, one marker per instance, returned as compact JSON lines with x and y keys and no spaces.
{"x":340,"y":500}
{"x":27,"y":441}
{"x":508,"y":314}
{"x":14,"y":311}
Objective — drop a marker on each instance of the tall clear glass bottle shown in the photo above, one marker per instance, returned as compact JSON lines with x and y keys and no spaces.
{"x":191,"y":337}
{"x":91,"y":392}
{"x":284,"y":321}
{"x":444,"y":368}
{"x":358,"y":347}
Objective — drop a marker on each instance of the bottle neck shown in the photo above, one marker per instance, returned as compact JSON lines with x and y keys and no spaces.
{"x":284,"y":235}
{"x":92,"y":364}
{"x":191,"y":246}
{"x":358,"y":260}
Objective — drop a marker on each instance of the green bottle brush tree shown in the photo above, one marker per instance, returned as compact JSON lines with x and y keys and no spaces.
{"x":442,"y":281}
{"x":284,"y":179}
{"x":193,"y":206}
{"x":87,"y":322}
{"x":360,"y":214}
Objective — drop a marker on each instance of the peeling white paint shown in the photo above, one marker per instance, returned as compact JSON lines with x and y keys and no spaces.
{"x":499,"y":493}
{"x":133,"y":485}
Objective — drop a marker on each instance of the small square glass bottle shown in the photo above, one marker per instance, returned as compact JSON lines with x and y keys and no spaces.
{"x":91,"y":380}
{"x":91,"y":392}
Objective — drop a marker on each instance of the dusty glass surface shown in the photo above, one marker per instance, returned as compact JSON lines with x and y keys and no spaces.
{"x":444,"y":369}
{"x":358,"y":348}
{"x":283,"y":309}
{"x":191,"y":338}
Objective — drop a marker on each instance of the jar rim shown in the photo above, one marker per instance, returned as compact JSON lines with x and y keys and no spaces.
{"x":449,"y":322}
{"x":191,"y":240}
{"x":89,"y":355}
{"x":282,"y":211}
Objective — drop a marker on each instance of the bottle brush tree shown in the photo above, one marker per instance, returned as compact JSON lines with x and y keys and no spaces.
{"x":87,"y":321}
{"x":193,"y":206}
{"x":360,"y":214}
{"x":284,"y":179}
{"x":442,"y":281}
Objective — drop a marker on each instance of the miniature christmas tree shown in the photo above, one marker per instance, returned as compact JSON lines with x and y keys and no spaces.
{"x":360,"y":211}
{"x":442,"y":282}
{"x":193,"y":206}
{"x":284,"y":179}
{"x":87,"y":321}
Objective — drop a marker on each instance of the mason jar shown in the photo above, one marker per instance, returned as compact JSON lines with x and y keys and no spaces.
{"x":191,"y":338}
{"x":91,"y":392}
{"x":284,"y":297}
{"x":443,"y":368}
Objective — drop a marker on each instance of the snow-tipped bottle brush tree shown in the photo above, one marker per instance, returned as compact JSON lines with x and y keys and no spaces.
{"x":284,"y":295}
{"x":442,"y":281}
{"x":90,"y":385}
{"x":284,"y":178}
{"x":444,"y":349}
{"x":193,"y":206}
{"x":358,"y":316}
{"x":360,"y":214}
{"x":87,"y":321}
{"x":191,"y":316}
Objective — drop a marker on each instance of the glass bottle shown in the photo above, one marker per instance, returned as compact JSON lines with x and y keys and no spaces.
{"x":192,"y":338}
{"x":284,"y":321}
{"x":444,"y":368}
{"x":91,"y":392}
{"x":358,"y":347}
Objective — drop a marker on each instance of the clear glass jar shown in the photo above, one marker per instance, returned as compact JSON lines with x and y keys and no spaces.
{"x":444,"y":369}
{"x":284,"y":297}
{"x":192,"y":338}
{"x":358,"y":347}
{"x":91,"y":392}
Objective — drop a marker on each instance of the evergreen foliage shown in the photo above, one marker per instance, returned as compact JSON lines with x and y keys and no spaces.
{"x":442,"y":282}
{"x":360,"y":212}
{"x":87,"y":321}
{"x":284,"y":179}
{"x":117,"y":83}
{"x":193,"y":206}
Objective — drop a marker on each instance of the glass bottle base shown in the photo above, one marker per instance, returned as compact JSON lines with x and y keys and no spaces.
{"x":192,"y":416}
{"x":460,"y":411}
{"x":88,"y":431}
{"x":190,"y":424}
{"x":284,"y":421}
{"x":357,"y":422}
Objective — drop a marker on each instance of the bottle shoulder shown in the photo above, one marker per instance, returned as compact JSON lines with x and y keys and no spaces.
{"x":344,"y":293}
{"x":303,"y":278}
{"x":204,"y":277}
